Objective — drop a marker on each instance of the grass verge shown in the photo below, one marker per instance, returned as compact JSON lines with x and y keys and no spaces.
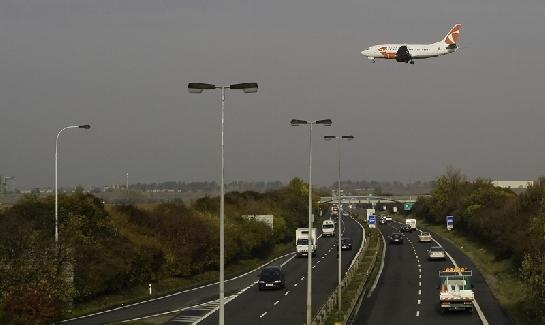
{"x":351,"y":291}
{"x":170,"y":285}
{"x":501,"y":275}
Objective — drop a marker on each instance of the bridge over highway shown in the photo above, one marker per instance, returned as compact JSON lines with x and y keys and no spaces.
{"x":371,"y":199}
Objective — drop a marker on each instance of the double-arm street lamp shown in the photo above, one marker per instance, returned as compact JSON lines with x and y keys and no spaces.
{"x":86,"y":127}
{"x":295,"y":122}
{"x":339,"y":139}
{"x":198,"y":88}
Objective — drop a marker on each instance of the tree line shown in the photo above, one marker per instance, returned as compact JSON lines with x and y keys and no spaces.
{"x":512,"y":225}
{"x":104,"y":250}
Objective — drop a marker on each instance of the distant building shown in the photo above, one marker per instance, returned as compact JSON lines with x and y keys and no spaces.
{"x":513,"y":184}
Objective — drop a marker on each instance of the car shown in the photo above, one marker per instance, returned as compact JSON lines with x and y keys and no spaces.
{"x":437,"y":253}
{"x":382,"y":220}
{"x":388,"y":219}
{"x":346,"y":244}
{"x":405,"y":228}
{"x":396,"y":238}
{"x":271,"y":277}
{"x":424,"y":237}
{"x":345,"y":213}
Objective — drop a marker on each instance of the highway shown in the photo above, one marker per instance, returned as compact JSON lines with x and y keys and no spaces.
{"x":245,"y":304}
{"x":407,"y":288}
{"x":288,"y":306}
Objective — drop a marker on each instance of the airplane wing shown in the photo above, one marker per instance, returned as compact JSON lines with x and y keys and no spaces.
{"x":403,"y":54}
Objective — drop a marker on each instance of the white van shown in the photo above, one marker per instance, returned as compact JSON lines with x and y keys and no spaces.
{"x":328,"y":228}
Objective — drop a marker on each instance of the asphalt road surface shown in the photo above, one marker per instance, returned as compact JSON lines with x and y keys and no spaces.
{"x":407,"y":289}
{"x":288,"y":306}
{"x":244,"y":303}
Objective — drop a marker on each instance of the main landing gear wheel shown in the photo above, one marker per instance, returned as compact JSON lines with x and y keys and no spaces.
{"x":411,"y":62}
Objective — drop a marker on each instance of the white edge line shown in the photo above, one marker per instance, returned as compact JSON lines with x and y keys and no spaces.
{"x":180,"y":292}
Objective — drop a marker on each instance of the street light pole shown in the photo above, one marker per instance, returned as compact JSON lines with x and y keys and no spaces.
{"x":86,"y":127}
{"x":339,"y":232}
{"x":310,"y":244}
{"x":199,"y":88}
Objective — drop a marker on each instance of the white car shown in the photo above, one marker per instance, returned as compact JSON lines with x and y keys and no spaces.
{"x":424,"y":237}
{"x":437,"y":253}
{"x":328,"y":228}
{"x":388,"y":218}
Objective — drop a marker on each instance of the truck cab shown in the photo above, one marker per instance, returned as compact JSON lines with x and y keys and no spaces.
{"x":301,"y":242}
{"x":411,"y":223}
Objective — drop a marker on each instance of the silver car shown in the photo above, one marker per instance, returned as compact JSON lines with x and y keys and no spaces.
{"x":437,"y":253}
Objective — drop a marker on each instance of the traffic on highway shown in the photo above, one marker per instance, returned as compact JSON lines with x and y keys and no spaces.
{"x":412,"y":288}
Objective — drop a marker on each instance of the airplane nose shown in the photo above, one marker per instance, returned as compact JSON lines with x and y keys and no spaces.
{"x":365,"y":52}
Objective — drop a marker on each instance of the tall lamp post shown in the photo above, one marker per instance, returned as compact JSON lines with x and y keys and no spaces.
{"x":295,"y":122}
{"x":86,"y":127}
{"x":339,"y":138}
{"x":198,"y":88}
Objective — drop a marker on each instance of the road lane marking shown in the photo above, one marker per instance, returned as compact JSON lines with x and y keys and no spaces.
{"x":183,"y":291}
{"x":276,"y":302}
{"x":419,"y":301}
{"x":295,"y":285}
{"x":419,"y":283}
{"x":419,"y":292}
{"x":302,"y":278}
{"x":417,"y":313}
{"x":420,"y":276}
{"x":265,"y":313}
{"x":285,"y":294}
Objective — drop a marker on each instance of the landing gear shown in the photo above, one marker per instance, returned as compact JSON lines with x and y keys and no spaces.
{"x":411,"y":62}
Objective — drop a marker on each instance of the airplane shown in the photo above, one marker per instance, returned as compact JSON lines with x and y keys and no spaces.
{"x":409,"y":52}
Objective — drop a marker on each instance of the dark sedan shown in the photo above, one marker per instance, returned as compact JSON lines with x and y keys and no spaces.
{"x":271,"y":277}
{"x":396,"y":238}
{"x":346,"y":243}
{"x":405,"y":228}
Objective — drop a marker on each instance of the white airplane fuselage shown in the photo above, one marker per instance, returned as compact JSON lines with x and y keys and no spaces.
{"x":409,"y":52}
{"x":417,"y":51}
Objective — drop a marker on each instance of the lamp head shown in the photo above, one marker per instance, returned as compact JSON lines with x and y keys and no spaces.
{"x":198,"y":87}
{"x":326,"y":122}
{"x":295,"y":122}
{"x":247,"y":87}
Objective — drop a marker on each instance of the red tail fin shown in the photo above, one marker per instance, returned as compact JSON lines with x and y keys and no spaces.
{"x":453,"y":35}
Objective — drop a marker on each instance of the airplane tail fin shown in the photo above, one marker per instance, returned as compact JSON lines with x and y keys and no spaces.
{"x":453,"y":35}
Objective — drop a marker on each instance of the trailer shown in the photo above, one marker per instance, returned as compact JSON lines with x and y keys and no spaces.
{"x":456,"y":289}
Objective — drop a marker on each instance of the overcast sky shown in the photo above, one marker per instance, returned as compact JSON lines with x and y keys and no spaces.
{"x":123,"y":66}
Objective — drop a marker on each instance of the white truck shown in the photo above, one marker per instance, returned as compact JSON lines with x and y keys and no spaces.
{"x":411,"y":223}
{"x":456,"y":289}
{"x":328,"y":228}
{"x":301,"y":241}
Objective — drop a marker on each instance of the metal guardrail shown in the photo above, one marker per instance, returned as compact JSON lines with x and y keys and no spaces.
{"x":331,"y":304}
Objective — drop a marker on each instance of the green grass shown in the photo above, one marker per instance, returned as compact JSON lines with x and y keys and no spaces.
{"x":170,"y":285}
{"x":501,"y":275}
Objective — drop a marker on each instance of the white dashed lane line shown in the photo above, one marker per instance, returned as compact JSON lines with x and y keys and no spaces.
{"x":265,"y":313}
{"x":276,"y":302}
{"x":417,"y":313}
{"x":286,"y":293}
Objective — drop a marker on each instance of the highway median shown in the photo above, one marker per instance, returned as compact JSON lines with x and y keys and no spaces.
{"x":357,"y":281}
